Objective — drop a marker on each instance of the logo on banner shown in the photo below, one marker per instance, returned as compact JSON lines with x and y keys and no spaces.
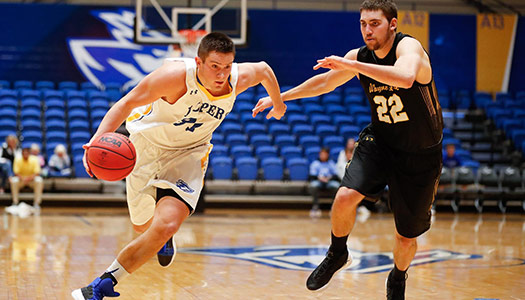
{"x":118,"y":58}
{"x":309,"y":257}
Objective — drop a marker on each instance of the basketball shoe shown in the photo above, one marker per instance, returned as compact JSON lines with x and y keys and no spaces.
{"x":98,"y":289}
{"x":333,"y":262}
{"x":167,"y":253}
{"x":395,"y":289}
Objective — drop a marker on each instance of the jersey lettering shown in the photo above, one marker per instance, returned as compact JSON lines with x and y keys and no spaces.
{"x":393,"y":105}
{"x":190,"y":121}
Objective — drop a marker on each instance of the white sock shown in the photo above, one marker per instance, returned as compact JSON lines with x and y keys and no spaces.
{"x":117,"y":271}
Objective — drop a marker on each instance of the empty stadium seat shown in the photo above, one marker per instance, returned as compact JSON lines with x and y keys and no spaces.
{"x":284,"y":140}
{"x":278,"y":129}
{"x":259,"y":140}
{"x":308,"y":141}
{"x":266,"y":151}
{"x":220,"y":150}
{"x":272,"y":168}
{"x":22,"y":84}
{"x":45,"y":85}
{"x":246,"y":168}
{"x":222,"y":167}
{"x":67,"y":85}
{"x":236,"y":139}
{"x":241,"y":151}
{"x":298,"y":168}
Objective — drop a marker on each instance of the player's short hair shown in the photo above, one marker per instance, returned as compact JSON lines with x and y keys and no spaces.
{"x":215,"y":41}
{"x":388,"y":7}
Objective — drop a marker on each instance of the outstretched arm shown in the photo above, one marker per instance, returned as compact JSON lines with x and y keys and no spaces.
{"x":161,"y":82}
{"x":409,"y":66}
{"x":317,"y":85}
{"x":251,"y":74}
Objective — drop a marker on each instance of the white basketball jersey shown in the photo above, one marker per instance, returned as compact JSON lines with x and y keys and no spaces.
{"x":191,"y":120}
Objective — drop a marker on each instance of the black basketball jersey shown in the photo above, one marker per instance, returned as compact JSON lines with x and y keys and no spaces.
{"x":410,"y":119}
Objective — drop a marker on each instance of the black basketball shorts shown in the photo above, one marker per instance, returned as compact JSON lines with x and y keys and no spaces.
{"x":412,"y":180}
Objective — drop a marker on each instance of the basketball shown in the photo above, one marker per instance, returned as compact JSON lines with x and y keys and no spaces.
{"x":111,"y":156}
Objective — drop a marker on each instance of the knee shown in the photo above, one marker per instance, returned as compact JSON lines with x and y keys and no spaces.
{"x":405,"y":242}
{"x":166,"y":229}
{"x":347,"y":197}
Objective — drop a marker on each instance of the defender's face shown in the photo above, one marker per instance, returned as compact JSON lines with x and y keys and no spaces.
{"x":215,"y":70}
{"x":376,"y":29}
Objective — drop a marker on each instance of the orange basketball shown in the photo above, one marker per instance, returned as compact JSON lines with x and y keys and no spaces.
{"x":111,"y":156}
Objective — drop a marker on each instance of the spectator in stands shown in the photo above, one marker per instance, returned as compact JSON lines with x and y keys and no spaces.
{"x":344,"y":157}
{"x":59,"y":163}
{"x":10,"y":148}
{"x":35,"y":151}
{"x":450,"y":158}
{"x":323,"y":175}
{"x":27,"y":169}
{"x":8,"y":152}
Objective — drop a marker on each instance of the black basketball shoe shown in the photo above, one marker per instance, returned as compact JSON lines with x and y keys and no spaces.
{"x":333,"y":262}
{"x":167,"y":253}
{"x":395,"y":289}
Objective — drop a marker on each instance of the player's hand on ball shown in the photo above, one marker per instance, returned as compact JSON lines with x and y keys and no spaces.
{"x":261,"y":105}
{"x":84,"y":158}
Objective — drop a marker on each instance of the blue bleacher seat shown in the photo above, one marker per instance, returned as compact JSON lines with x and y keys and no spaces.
{"x":362,"y":120}
{"x":341,"y":120}
{"x":31,"y":125}
{"x":30,"y":113}
{"x":67,"y":85}
{"x":236,"y":139}
{"x":503,"y":96}
{"x":94,"y":125}
{"x":518,"y":136}
{"x":52,"y":94}
{"x":284,"y":140}
{"x":245,"y":96}
{"x":357,"y":110}
{"x":217,"y":138}
{"x":293,"y":108}
{"x":331,"y":99}
{"x":289,"y":152}
{"x":259,"y":140}
{"x":98,"y":114}
{"x":242,"y":107}
{"x":335,"y":109}
{"x":265,"y":151}
{"x":88,"y":86}
{"x":307,"y":141}
{"x":333,"y":141}
{"x":247,"y":118}
{"x":4,"y":84}
{"x":75,"y":95}
{"x":55,"y":104}
{"x":277,"y":129}
{"x":29,"y":94}
{"x":320,"y":119}
{"x":77,"y":104}
{"x":22,"y":84}
{"x":295,"y":119}
{"x":462,"y":102}
{"x":312,"y":108}
{"x":272,"y":168}
{"x":77,"y":114}
{"x":246,"y":168}
{"x":349,"y":131}
{"x":334,"y":152}
{"x":6,"y":93}
{"x":54,"y":114}
{"x":45,"y":85}
{"x":31,"y":136}
{"x":228,"y":128}
{"x":55,"y":125}
{"x":312,"y":153}
{"x":80,"y":171}
{"x":11,"y":103}
{"x":9,"y":113}
{"x":56,"y":137}
{"x":99,"y":104}
{"x":5,"y":133}
{"x":326,"y":130}
{"x":97,"y":95}
{"x":79,"y":137}
{"x":353,"y":100}
{"x":309,"y":101}
{"x":8,"y":124}
{"x":253,"y":129}
{"x":220,"y":150}
{"x":298,"y":168}
{"x":353,"y":90}
{"x":301,"y":130}
{"x":32,"y":103}
{"x":241,"y":151}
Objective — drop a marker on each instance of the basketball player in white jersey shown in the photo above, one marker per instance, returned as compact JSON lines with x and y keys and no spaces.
{"x":171,"y":116}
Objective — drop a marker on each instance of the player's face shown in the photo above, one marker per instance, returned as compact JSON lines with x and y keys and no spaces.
{"x":376,"y":29}
{"x":215,"y":70}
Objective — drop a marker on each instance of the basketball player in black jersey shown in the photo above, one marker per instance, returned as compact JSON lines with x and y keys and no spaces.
{"x":401,"y":148}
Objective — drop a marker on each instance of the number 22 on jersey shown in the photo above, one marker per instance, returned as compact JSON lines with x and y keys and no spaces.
{"x":391,"y":107}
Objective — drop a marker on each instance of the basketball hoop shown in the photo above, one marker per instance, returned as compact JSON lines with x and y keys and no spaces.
{"x":191,"y":39}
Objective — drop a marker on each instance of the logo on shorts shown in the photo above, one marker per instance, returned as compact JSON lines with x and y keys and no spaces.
{"x":183,"y":186}
{"x":309,"y":257}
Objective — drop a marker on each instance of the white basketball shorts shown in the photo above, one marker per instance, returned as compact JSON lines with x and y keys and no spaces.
{"x":182,"y":170}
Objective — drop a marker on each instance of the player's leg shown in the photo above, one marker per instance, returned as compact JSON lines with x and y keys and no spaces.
{"x":169,"y":215}
{"x":364,"y":176}
{"x":411,"y":198}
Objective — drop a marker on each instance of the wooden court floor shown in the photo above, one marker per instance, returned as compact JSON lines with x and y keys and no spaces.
{"x":261,"y":254}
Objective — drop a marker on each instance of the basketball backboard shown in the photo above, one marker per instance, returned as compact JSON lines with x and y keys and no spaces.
{"x":160,"y":21}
